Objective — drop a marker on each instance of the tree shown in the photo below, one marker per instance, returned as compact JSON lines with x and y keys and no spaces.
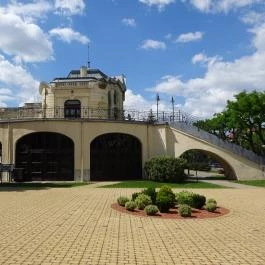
{"x":242,"y":121}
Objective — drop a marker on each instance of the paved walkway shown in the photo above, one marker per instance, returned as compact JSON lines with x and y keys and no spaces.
{"x":77,"y":226}
{"x":228,"y":184}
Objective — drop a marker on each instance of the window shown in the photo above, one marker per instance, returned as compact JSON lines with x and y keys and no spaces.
{"x":72,"y":109}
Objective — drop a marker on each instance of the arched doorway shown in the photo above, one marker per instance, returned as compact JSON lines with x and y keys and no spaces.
{"x":72,"y":109}
{"x":45,"y":156}
{"x":115,"y":156}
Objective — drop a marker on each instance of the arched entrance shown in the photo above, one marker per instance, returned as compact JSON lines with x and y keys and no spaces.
{"x":45,"y":156}
{"x":72,"y":109}
{"x":115,"y":156}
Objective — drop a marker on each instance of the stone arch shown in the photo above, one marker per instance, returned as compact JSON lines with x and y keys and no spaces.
{"x":229,"y":172}
{"x":115,"y":156}
{"x":45,"y":156}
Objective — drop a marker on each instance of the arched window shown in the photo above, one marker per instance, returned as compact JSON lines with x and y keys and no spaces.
{"x":72,"y":109}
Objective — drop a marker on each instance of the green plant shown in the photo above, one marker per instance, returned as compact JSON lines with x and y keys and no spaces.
{"x":167,"y":191}
{"x":130,"y":205}
{"x":198,"y":201}
{"x":142,"y":200}
{"x":184,"y":197}
{"x":152,"y":193}
{"x":184,"y":210}
{"x":151,"y":209}
{"x":135,"y":195}
{"x":211,"y":200}
{"x":163,"y":203}
{"x":165,"y":169}
{"x":210,"y":206}
{"x":122,"y":200}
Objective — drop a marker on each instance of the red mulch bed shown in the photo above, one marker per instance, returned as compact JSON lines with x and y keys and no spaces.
{"x":173,"y":213}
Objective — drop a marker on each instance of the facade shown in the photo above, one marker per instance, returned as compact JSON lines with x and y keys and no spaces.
{"x":80,"y":131}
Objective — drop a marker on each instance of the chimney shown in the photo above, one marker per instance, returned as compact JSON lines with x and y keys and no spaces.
{"x":83,"y":71}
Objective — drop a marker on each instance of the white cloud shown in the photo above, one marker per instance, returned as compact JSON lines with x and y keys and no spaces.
{"x":160,"y":4}
{"x":208,"y":94}
{"x":189,"y":37}
{"x":23,"y":86}
{"x":254,"y":18}
{"x":221,"y":5}
{"x":153,"y":45}
{"x":70,"y":7}
{"x":68,"y":35}
{"x":24,"y":40}
{"x":129,"y":22}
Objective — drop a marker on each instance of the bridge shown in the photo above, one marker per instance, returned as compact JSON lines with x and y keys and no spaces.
{"x":48,"y":146}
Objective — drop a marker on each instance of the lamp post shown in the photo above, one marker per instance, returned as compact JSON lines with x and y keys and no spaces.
{"x":157,"y":100}
{"x":173,"y":101}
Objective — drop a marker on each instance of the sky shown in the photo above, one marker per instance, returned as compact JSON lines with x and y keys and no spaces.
{"x":200,"y":52}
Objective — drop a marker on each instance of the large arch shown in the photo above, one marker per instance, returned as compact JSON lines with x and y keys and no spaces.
{"x":229,"y":172}
{"x":115,"y":156}
{"x":45,"y":156}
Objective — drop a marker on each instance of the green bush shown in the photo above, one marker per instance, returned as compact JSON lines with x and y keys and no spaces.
{"x":165,"y":169}
{"x":151,"y":192}
{"x":163,"y":203}
{"x":184,"y":197}
{"x":210,"y":206}
{"x":184,"y":210}
{"x":198,"y":201}
{"x":167,"y":191}
{"x":143,"y":200}
{"x":130,"y":205}
{"x":122,"y":200}
{"x":151,"y":209}
{"x":211,"y":200}
{"x":135,"y":195}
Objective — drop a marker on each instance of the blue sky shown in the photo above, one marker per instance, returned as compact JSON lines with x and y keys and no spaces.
{"x":201,"y":52}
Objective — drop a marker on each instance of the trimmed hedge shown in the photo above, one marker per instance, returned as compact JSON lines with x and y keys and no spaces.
{"x":130,"y":206}
{"x":165,"y":199}
{"x":165,"y":169}
{"x":184,"y":210}
{"x":143,"y":200}
{"x":151,"y":209}
{"x":122,"y":200}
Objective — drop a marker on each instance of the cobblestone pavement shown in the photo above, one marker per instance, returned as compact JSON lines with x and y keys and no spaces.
{"x":77,"y":226}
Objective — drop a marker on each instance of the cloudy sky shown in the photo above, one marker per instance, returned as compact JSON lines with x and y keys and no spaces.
{"x":201,"y":52}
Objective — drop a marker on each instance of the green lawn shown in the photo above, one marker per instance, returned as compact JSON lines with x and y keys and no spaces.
{"x":44,"y":185}
{"x":258,"y":183}
{"x":153,"y":184}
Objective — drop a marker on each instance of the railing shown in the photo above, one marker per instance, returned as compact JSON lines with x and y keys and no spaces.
{"x":213,"y":139}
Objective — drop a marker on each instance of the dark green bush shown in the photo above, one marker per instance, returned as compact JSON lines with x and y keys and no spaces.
{"x":167,"y":191}
{"x":135,"y":195}
{"x":143,"y":200}
{"x":210,"y":206}
{"x":151,"y":192}
{"x":184,"y":197}
{"x":151,"y":209}
{"x":165,"y":169}
{"x":198,"y":201}
{"x":211,"y":200}
{"x":184,"y":210}
{"x":122,"y":200}
{"x":163,"y":203}
{"x":130,"y":205}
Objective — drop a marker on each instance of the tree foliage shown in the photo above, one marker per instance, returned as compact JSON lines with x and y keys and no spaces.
{"x":242,"y":122}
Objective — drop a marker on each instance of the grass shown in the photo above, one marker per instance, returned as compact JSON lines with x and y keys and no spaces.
{"x":153,"y":184}
{"x":40,"y":185}
{"x":257,"y":182}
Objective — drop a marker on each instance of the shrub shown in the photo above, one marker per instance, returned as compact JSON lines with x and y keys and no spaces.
{"x":184,"y":210}
{"x":165,"y":169}
{"x":167,"y":191}
{"x":210,"y":206}
{"x":211,"y":200}
{"x":135,"y":195}
{"x":163,"y":203}
{"x":184,"y":197}
{"x":151,"y":209}
{"x":122,"y":200}
{"x":198,"y":201}
{"x":151,"y":192}
{"x":130,"y":205}
{"x":143,"y":200}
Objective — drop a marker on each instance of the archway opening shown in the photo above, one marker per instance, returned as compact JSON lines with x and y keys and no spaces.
{"x":115,"y":156}
{"x":45,"y":156}
{"x":72,"y":109}
{"x":214,"y":165}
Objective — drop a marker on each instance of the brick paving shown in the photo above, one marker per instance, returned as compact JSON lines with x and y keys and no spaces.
{"x":78,"y":226}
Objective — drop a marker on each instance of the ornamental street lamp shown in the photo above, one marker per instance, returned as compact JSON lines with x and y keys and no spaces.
{"x":157,"y":100}
{"x":173,"y":101}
